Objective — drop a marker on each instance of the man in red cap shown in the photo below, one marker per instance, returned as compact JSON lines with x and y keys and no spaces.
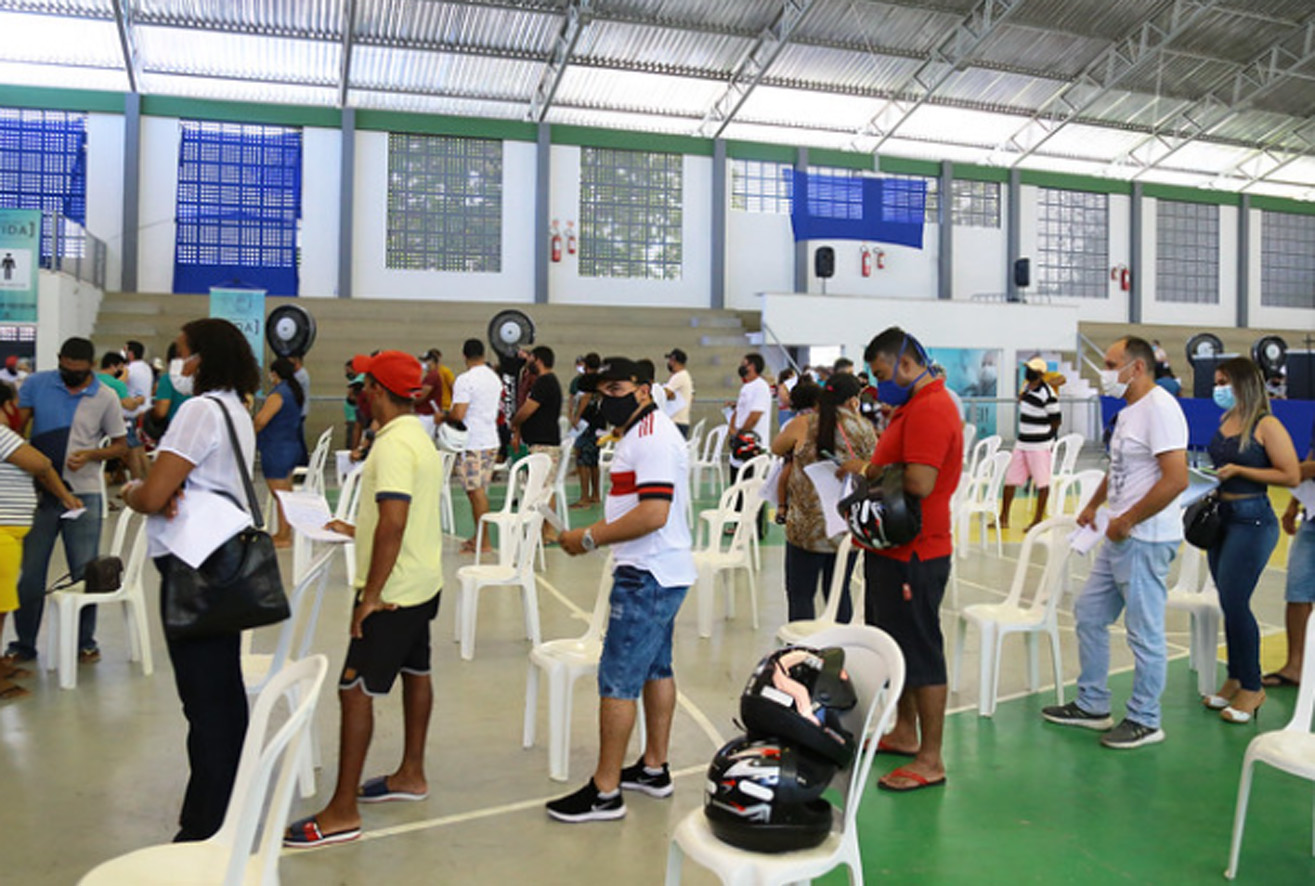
{"x":399,"y":573}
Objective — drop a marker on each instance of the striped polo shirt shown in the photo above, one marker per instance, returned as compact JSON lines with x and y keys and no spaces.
{"x":65,"y":421}
{"x":18,"y":497}
{"x":1036,"y":412}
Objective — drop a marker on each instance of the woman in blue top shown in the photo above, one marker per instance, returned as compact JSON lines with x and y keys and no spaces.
{"x":278,"y":436}
{"x":1251,"y":451}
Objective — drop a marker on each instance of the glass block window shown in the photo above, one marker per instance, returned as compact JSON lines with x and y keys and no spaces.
{"x":1287,"y":260}
{"x":1072,"y":244}
{"x":43,"y":165}
{"x":630,"y":213}
{"x":762,"y":186}
{"x":976,"y":204}
{"x":1187,"y":252}
{"x":239,"y":207}
{"x":444,"y":203}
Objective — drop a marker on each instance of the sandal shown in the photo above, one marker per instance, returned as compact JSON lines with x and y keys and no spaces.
{"x":13,"y":691}
{"x":376,"y":790}
{"x":305,"y":833}
{"x":884,"y":748}
{"x":919,"y":781}
{"x":1277,"y":679}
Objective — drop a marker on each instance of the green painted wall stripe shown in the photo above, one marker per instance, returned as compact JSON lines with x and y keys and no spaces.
{"x":1282,"y":204}
{"x":49,"y":99}
{"x":1191,"y":195}
{"x":240,"y":112}
{"x":759,"y":151}
{"x":433,"y":124}
{"x":840,"y":159}
{"x":1068,"y":182}
{"x":906,"y":166}
{"x":591,"y":137}
{"x":974,"y":173}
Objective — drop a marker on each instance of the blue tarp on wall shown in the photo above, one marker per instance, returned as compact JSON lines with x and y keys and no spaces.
{"x":881,"y":210}
{"x":1203,"y":416}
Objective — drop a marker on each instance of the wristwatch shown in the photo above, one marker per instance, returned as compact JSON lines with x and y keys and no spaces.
{"x":587,"y":541}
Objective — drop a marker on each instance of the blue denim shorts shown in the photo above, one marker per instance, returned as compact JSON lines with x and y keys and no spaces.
{"x":1301,"y":565}
{"x":134,"y":441}
{"x":638,"y":643}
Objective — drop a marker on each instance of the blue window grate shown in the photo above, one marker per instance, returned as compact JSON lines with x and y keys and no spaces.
{"x":43,"y":165}
{"x":239,"y":207}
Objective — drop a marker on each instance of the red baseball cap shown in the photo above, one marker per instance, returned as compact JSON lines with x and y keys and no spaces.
{"x":397,"y":371}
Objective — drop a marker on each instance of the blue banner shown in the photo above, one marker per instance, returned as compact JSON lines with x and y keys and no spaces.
{"x":882,"y":210}
{"x":245,"y":309}
{"x":1203,"y":416}
{"x":20,"y":244}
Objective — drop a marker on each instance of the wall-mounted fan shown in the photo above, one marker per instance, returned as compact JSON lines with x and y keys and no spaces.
{"x":1270,"y":353}
{"x":1204,"y":344}
{"x":290,"y":329}
{"x":510,"y":331}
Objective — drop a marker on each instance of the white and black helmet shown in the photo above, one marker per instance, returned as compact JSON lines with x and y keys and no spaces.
{"x":881,"y":514}
{"x":765,"y":795}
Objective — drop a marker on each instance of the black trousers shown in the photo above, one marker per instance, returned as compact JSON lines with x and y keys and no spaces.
{"x":803,"y":569}
{"x":208,"y":675}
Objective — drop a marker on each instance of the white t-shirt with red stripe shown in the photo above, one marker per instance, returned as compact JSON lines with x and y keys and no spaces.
{"x":652,"y":461}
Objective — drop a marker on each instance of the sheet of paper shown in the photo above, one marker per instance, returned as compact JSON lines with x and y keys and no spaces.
{"x":205,"y":520}
{"x":770,"y":491}
{"x":1305,"y":493}
{"x":673,"y":405}
{"x":830,"y":490}
{"x":553,"y":520}
{"x":72,"y":513}
{"x":307,"y":513}
{"x":1199,"y":482}
{"x":1085,"y":538}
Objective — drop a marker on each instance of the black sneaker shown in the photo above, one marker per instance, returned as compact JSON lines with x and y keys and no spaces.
{"x":635,"y":778}
{"x":586,"y":805}
{"x":1072,"y":715}
{"x":1131,"y":734}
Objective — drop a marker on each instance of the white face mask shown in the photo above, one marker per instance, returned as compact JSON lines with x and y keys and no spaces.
{"x":1110,"y":385}
{"x":182,"y":383}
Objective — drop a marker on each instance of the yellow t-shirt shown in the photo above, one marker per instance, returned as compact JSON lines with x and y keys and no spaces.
{"x":445,"y":381}
{"x":403,"y":463}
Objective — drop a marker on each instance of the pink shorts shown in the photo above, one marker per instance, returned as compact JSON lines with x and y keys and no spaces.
{"x":1034,"y":463}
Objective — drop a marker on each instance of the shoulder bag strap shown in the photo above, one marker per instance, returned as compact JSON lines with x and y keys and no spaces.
{"x":241,"y":466}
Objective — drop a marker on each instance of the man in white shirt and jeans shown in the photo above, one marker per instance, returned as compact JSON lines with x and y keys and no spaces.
{"x":753,"y":412}
{"x":1148,"y":471}
{"x":679,"y":390}
{"x":644,"y":522}
{"x":476,"y":395}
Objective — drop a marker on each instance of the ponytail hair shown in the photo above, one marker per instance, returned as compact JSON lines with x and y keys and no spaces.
{"x":839,"y":389}
{"x":283,"y":368}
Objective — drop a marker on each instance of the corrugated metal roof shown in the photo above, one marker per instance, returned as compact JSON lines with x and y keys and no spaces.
{"x":428,"y":104}
{"x":649,"y":47}
{"x":101,"y":8}
{"x":841,"y":69}
{"x":236,"y":56}
{"x":745,"y":16}
{"x":1036,"y":49}
{"x":407,"y":23}
{"x":797,"y":107}
{"x":42,"y":38}
{"x":27,"y":74}
{"x":633,"y":91}
{"x":320,"y":17}
{"x":238,"y":90}
{"x":878,"y":24}
{"x":432,"y":73}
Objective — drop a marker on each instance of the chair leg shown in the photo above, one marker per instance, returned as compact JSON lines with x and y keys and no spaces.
{"x":1240,"y":816}
{"x":675,"y":860}
{"x":995,"y":667}
{"x":753,"y":597}
{"x":727,"y":579}
{"x":469,"y":605}
{"x":1058,"y":664}
{"x":530,"y":597}
{"x":984,"y":679}
{"x":1033,"y":666}
{"x":559,"y":754}
{"x":531,"y":705}
{"x":956,"y":670}
{"x":137,"y":607}
{"x":68,"y":644}
{"x":479,"y":540}
{"x":706,"y":591}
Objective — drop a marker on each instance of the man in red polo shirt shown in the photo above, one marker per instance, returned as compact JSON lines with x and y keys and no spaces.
{"x":905,"y":584}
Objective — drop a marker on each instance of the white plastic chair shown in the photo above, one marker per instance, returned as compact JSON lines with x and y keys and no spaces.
{"x":563,"y":426}
{"x":969,"y":438}
{"x":104,"y":484}
{"x":802,"y":631}
{"x":982,"y":500}
{"x":522,"y":540}
{"x":711,"y":459}
{"x":1033,"y":617}
{"x":246,"y":850}
{"x":716,"y":566}
{"x":1064,"y":459}
{"x":1084,"y":482}
{"x":66,"y":605}
{"x":1195,"y":593}
{"x":447,"y":516}
{"x":983,"y":450}
{"x":723,"y":518}
{"x":526,"y":485}
{"x":1290,"y":749}
{"x":559,"y":481}
{"x":349,"y":500}
{"x":876,"y":667}
{"x":310,"y":478}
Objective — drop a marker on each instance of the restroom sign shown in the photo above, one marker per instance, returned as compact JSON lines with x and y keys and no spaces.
{"x":20,"y":238}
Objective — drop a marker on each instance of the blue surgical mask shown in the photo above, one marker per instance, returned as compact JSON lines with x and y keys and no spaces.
{"x":892,"y":392}
{"x":1224,"y":398}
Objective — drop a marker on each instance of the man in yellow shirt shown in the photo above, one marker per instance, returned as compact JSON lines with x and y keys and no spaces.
{"x":399,"y":574}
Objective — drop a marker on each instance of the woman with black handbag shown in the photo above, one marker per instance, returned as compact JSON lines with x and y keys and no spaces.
{"x":196,"y":470}
{"x":1251,"y":452}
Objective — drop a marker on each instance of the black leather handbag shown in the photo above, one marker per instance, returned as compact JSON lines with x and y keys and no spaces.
{"x":237,"y":587}
{"x":103,"y":575}
{"x":1203,"y":524}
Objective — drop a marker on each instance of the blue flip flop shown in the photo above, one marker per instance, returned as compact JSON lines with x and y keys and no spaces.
{"x":376,"y":790}
{"x":305,"y":833}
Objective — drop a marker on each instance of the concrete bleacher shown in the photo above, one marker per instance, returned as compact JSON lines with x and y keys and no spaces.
{"x":714,"y":340}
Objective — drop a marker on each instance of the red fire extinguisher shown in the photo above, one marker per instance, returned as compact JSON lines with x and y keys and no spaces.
{"x":1122,"y":275}
{"x":570,"y":238}
{"x":867,"y":260}
{"x":556,"y":241}
{"x":881,"y":258}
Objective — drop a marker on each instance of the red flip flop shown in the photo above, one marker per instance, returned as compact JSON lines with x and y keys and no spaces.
{"x":883,"y":748}
{"x":919,"y":781}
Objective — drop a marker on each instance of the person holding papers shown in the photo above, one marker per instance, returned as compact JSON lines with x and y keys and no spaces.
{"x":1251,"y":451}
{"x":188,"y":493}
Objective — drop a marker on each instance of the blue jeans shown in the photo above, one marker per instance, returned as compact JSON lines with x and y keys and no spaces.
{"x":1301,"y":565}
{"x":1127,"y":574}
{"x":637,"y":647}
{"x":1236,"y":561}
{"x":81,"y":544}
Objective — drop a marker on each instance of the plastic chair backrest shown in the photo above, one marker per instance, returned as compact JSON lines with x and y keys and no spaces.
{"x":756,"y":467}
{"x":516,"y":478}
{"x":318,"y":459}
{"x":982,"y":451}
{"x":136,"y":562}
{"x":564,"y":461}
{"x":876,"y":667}
{"x":350,"y":495}
{"x":304,"y":604}
{"x":602,"y":607}
{"x":526,"y":536}
{"x":563,"y":425}
{"x":834,"y":592}
{"x":538,"y":488}
{"x":1304,"y":711}
{"x":1065,"y":453}
{"x":969,"y":437}
{"x":1052,"y":535}
{"x":1189,"y":570}
{"x":714,"y":443}
{"x":747,"y":524}
{"x":696,"y":432}
{"x":260,"y":759}
{"x":999,"y":468}
{"x":126,"y":517}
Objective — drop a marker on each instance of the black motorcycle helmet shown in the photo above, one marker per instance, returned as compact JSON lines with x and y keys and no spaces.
{"x":796,"y":695}
{"x":881,"y":514}
{"x":746,"y":445}
{"x":765,"y":796}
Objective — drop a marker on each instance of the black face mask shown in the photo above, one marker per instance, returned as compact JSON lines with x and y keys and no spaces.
{"x":74,"y":378}
{"x":617,"y":410}
{"x":744,"y":372}
{"x":671,"y":367}
{"x":1032,"y":375}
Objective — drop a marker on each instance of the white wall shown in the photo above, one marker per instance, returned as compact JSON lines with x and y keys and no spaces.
{"x":981,"y":256}
{"x":156,"y":213}
{"x":105,"y":189}
{"x":65,"y":307}
{"x":908,"y":272}
{"x":692,"y":290}
{"x":759,"y":257}
{"x":371,"y":278}
{"x":321,"y":177}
